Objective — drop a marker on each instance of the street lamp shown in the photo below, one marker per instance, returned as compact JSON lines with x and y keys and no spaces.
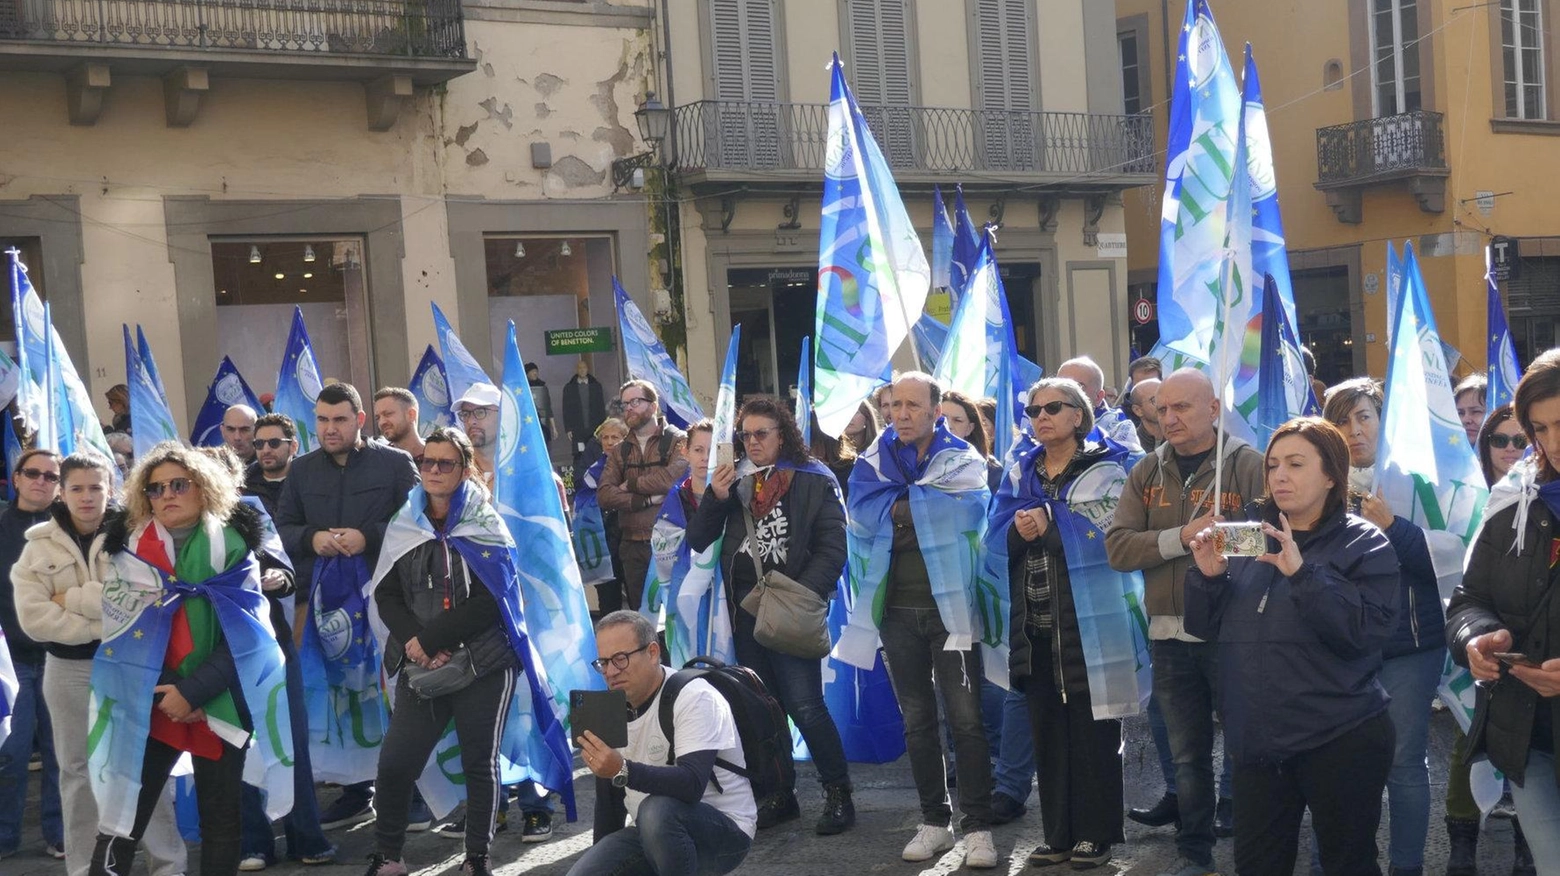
{"x":655,"y":126}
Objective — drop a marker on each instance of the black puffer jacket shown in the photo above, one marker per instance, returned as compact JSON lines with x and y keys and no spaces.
{"x":411,"y":603}
{"x":1506,"y":589}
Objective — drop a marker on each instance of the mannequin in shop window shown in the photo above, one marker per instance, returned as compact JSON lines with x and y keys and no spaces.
{"x":584,"y":408}
{"x":543,"y":397}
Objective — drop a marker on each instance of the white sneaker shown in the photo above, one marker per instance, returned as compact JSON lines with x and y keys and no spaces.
{"x":930,"y":840}
{"x":252,"y":864}
{"x":979,"y":852}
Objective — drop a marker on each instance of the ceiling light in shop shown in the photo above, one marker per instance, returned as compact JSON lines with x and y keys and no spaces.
{"x":281,"y":276}
{"x":308,"y":253}
{"x":564,"y":250}
{"x":308,"y":275}
{"x":303,"y":291}
{"x":519,"y":249}
{"x":254,"y":255}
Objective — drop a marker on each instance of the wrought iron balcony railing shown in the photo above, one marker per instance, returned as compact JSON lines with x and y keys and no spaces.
{"x":405,"y":28}
{"x":732,"y":135}
{"x":1389,"y":147}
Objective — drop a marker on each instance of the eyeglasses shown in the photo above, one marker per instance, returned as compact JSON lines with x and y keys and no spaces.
{"x":271,"y":443}
{"x":1050,"y":409}
{"x":619,"y":660}
{"x":1501,"y":442}
{"x":635,"y":402}
{"x":755,"y":435}
{"x":174,"y":487}
{"x":475,"y":413}
{"x":442,"y":466}
{"x":34,"y":474}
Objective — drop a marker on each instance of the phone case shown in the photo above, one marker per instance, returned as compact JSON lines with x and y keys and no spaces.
{"x":1240,"y":539}
{"x":602,"y":712}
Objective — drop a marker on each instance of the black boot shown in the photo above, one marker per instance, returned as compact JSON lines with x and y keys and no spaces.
{"x":1463,"y":858}
{"x":113,"y":856}
{"x":1224,"y":818}
{"x":475,"y":865}
{"x":1522,"y":859}
{"x":839,"y":813}
{"x":778,"y":808}
{"x":1166,"y":811}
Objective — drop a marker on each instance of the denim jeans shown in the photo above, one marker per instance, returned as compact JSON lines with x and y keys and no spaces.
{"x":1161,"y":735}
{"x":1186,"y":685}
{"x":1538,"y":805}
{"x":29,"y":723}
{"x":913,"y":640}
{"x":668,"y":836}
{"x":1006,"y":717}
{"x":1411,"y":681}
{"x":527,"y":800}
{"x":305,"y":837}
{"x":798,"y":684}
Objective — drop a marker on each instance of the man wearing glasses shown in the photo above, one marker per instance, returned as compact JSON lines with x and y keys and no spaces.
{"x":37,"y":479}
{"x":635,"y":481}
{"x":478,"y":413}
{"x":276,"y":440}
{"x":693,"y":815}
{"x":335,"y":503}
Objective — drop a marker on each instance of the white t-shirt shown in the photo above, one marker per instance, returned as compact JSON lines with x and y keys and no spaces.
{"x":702,"y":721}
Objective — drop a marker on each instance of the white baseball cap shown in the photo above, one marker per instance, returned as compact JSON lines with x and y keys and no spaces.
{"x":482,"y":395}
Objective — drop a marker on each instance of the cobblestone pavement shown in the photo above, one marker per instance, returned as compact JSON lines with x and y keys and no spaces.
{"x":885,"y":805}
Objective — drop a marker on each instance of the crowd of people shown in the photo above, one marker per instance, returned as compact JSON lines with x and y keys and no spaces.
{"x":1100,"y":554}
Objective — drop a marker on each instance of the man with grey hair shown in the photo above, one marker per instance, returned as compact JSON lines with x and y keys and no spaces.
{"x":1168,"y":499}
{"x":238,"y":431}
{"x":916,"y":494}
{"x":1111,"y":422}
{"x":692,"y":806}
{"x":1141,"y":401}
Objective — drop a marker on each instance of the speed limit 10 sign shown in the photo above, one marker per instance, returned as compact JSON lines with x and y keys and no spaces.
{"x":1143,"y":311}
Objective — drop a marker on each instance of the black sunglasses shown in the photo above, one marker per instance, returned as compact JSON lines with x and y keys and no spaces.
{"x":271,"y":443}
{"x":442,"y":466}
{"x":619,"y":660}
{"x":1501,"y":442}
{"x":34,"y":474}
{"x":755,"y":434}
{"x":174,"y":487}
{"x":1051,"y":409}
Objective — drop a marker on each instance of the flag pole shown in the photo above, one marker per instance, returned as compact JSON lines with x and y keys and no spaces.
{"x":1221,"y":369}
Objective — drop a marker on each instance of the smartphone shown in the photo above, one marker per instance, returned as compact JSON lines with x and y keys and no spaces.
{"x":1514,"y":658}
{"x":725,"y":454}
{"x":1240,"y":539}
{"x":602,"y":712}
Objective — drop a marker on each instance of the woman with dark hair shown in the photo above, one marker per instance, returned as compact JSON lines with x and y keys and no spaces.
{"x":838,"y":454}
{"x":1412,"y":659}
{"x":1503,"y":622}
{"x":782,"y":510}
{"x":1300,"y":631}
{"x":964,"y":421}
{"x":1501,"y":443}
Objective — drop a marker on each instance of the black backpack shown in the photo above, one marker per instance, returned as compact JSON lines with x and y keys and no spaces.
{"x":762,"y":726}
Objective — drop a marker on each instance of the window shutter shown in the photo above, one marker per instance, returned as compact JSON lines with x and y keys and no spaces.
{"x":745,"y":129}
{"x":1006,"y":68}
{"x":881,"y":73}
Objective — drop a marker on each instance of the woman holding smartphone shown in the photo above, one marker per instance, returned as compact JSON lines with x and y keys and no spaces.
{"x":1503,"y":622}
{"x":1300,"y":631}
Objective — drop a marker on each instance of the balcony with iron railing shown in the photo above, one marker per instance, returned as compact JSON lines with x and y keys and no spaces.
{"x":1407,"y":148}
{"x":726,"y":140}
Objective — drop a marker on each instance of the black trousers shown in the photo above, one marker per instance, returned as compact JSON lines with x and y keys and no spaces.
{"x":1341,"y":782}
{"x":1077,"y":759}
{"x":416,"y":726}
{"x":218,"y":787}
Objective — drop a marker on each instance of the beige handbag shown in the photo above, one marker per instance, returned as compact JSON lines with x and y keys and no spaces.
{"x":791,"y":618}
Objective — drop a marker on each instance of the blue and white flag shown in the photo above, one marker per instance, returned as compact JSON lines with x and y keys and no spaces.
{"x":148,"y":408}
{"x":873,"y":277}
{"x":62,"y":429}
{"x":1200,"y":164}
{"x":942,"y":242}
{"x":51,"y":395}
{"x":804,"y":392}
{"x":1394,"y":294}
{"x":228,"y":388}
{"x":1236,"y":304}
{"x":591,"y":552}
{"x":8,"y":681}
{"x":648,"y":360}
{"x":978,"y":357}
{"x":966,"y":246}
{"x":432,"y":390}
{"x":341,"y":666}
{"x":298,"y":383}
{"x":861,"y":701}
{"x":13,"y":452}
{"x":145,"y":349}
{"x":1504,"y":370}
{"x":929,"y":335}
{"x":1284,"y":387}
{"x":1425,"y":467}
{"x":461,"y":370}
{"x":10,"y":379}
{"x":31,"y":359}
{"x":526,"y":496}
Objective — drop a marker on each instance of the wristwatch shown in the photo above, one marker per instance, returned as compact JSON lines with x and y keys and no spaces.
{"x":621,"y":779}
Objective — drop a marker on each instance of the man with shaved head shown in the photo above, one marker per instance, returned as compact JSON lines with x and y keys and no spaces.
{"x":1111,"y":422}
{"x":1168,"y":499}
{"x":1141,"y":403}
{"x":238,"y":431}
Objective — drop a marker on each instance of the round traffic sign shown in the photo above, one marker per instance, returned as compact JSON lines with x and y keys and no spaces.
{"x":1143,"y":311}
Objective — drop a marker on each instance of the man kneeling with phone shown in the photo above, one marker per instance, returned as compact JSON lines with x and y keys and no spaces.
{"x":693,"y":815}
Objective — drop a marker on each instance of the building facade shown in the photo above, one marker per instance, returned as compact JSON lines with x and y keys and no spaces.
{"x":1417,"y":120}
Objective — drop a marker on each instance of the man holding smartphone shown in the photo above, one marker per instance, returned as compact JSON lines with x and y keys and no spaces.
{"x":635,"y":481}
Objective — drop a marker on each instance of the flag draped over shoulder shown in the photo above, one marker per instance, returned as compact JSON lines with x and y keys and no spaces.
{"x":1200,"y":164}
{"x":298,"y":383}
{"x":341,"y":664}
{"x":431,"y":388}
{"x":159,"y":604}
{"x":526,"y":496}
{"x":873,"y":277}
{"x":591,"y":551}
{"x":1504,"y":370}
{"x":979,"y":356}
{"x":148,"y":408}
{"x":648,"y":360}
{"x":535,"y":745}
{"x":1112,"y":623}
{"x":227,"y":388}
{"x":948,"y":494}
{"x":460,"y":367}
{"x":1425,"y":467}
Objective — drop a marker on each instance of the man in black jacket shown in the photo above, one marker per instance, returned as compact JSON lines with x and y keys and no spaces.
{"x":276,"y":440}
{"x":335,"y":502}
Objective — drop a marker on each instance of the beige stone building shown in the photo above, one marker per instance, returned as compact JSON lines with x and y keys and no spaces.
{"x":201,"y":168}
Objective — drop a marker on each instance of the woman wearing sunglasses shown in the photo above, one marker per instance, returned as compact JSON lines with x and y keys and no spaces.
{"x":1412,"y":659}
{"x":59,"y":601}
{"x":798,"y":529}
{"x":1046,"y":543}
{"x":448,"y":608}
{"x":1501,"y":443}
{"x":189,"y":661}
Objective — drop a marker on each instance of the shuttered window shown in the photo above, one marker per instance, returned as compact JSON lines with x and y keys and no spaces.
{"x":744,"y":42}
{"x":1005,"y":83}
{"x":1533,"y":305}
{"x":882,"y":74}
